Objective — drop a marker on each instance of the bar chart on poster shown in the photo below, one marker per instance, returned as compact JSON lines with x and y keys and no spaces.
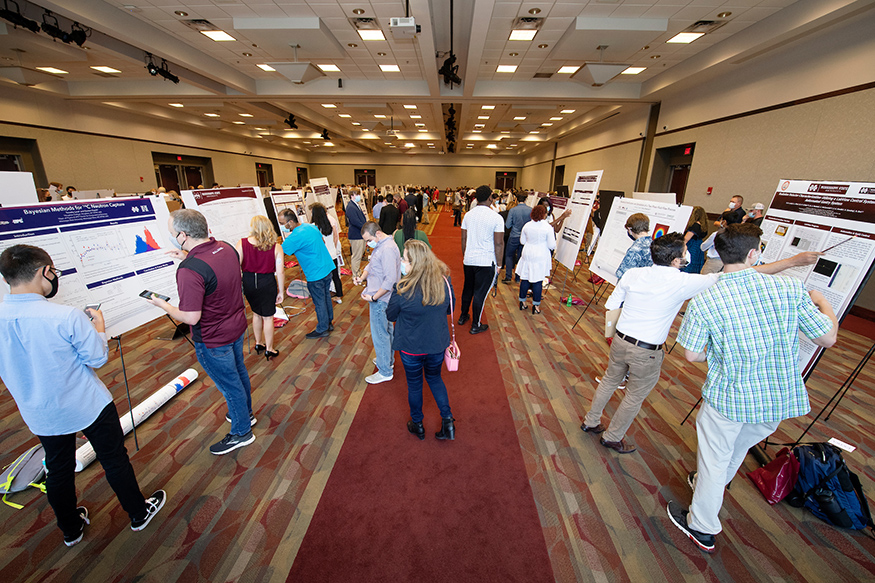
{"x":106,"y":252}
{"x":228,"y":210}
{"x":835,"y":218}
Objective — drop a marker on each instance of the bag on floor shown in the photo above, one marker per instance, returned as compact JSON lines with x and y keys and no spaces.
{"x":27,"y":470}
{"x":776,"y":479}
{"x":298,"y":289}
{"x":828,"y":488}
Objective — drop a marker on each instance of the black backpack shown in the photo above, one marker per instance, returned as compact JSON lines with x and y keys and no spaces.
{"x":828,"y":488}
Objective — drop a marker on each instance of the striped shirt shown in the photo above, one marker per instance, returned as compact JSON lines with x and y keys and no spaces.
{"x":750,"y":323}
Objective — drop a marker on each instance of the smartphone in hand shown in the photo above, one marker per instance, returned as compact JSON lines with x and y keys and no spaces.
{"x":147,"y":294}
{"x":94,"y":307}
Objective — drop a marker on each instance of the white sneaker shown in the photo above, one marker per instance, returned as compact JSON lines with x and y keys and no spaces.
{"x":338,"y":300}
{"x":377,"y":378}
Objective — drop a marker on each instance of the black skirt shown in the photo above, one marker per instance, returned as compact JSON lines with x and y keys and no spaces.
{"x":260,"y":291}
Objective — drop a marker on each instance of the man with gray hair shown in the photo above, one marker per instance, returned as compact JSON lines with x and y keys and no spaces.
{"x":209,"y":281}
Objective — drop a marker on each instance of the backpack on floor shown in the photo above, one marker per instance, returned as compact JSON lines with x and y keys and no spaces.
{"x":27,"y":470}
{"x":828,"y":488}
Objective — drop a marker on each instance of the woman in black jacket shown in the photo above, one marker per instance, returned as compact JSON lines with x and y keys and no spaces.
{"x":419,"y":307}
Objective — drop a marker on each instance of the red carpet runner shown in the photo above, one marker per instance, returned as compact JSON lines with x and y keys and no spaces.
{"x":399,"y":509}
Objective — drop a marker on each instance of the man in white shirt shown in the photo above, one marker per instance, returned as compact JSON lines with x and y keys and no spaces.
{"x":482,"y":245}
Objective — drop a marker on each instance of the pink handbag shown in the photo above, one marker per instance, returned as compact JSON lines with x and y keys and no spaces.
{"x":452,"y":354}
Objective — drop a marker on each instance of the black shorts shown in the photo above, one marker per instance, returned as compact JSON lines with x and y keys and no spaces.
{"x":260,"y":290}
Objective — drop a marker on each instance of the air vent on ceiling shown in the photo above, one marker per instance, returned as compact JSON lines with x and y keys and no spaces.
{"x":527,"y":23}
{"x":544,"y":75}
{"x":200,"y":25}
{"x":705,"y":26}
{"x":365,"y":23}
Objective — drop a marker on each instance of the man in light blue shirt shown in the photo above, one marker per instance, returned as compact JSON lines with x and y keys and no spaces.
{"x":516,"y":218}
{"x":61,"y":395}
{"x":378,"y":207}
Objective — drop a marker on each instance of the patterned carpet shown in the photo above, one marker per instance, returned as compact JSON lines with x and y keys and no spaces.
{"x":242,"y":517}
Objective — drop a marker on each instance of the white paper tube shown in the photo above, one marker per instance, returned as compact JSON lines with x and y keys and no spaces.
{"x":85,"y":454}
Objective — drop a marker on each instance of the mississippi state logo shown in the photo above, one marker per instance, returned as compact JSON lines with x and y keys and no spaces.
{"x":785,"y":185}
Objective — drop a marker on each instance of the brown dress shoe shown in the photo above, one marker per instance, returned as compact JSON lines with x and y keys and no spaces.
{"x":618,"y":446}
{"x":595,"y":430}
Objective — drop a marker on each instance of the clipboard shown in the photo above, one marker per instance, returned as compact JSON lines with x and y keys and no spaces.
{"x":611,"y":317}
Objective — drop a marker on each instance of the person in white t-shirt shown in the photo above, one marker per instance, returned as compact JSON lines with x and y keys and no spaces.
{"x":482,"y":245}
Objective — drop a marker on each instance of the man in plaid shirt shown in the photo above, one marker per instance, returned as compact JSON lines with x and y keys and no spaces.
{"x":747,"y":328}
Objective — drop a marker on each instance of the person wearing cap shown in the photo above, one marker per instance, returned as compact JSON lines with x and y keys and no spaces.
{"x":755,"y":216}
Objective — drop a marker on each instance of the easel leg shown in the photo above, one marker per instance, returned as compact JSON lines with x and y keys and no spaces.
{"x":587,"y":306}
{"x":128,"y":391}
{"x":691,"y":411}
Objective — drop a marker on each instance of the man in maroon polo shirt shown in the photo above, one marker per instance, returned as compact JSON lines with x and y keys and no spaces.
{"x":211,"y":301}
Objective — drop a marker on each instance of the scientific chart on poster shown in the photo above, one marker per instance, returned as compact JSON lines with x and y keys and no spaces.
{"x":836,"y":218}
{"x":614,"y":241}
{"x":570,"y":237}
{"x":106,"y":253}
{"x":228,"y":210}
{"x":291,"y":199}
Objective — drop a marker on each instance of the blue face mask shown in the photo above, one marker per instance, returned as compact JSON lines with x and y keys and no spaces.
{"x":372,"y":244}
{"x":285,"y":230}
{"x":405,"y":268}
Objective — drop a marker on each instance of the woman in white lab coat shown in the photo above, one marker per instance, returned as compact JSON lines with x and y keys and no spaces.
{"x":538,"y":239}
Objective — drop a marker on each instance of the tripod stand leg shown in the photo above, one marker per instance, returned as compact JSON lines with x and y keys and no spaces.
{"x":691,"y":411}
{"x":585,"y":309}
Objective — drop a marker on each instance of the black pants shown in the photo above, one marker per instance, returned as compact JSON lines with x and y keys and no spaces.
{"x":478,"y":282}
{"x":335,"y":277}
{"x":457,"y":217}
{"x":108,"y":441}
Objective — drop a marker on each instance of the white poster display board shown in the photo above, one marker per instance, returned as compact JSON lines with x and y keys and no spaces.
{"x":326,"y":196}
{"x":292,"y":199}
{"x":837,"y":218}
{"x":615,"y":241}
{"x":569,"y":239}
{"x":668,"y":197}
{"x":17,"y":188}
{"x":228,"y":210}
{"x":106,"y":253}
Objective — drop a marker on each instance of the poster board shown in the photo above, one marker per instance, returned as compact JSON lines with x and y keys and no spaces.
{"x":668,"y":197}
{"x":569,"y":239}
{"x":614,"y":241}
{"x":17,"y":188}
{"x":101,"y":193}
{"x":228,"y":210}
{"x":291,"y":199}
{"x":837,"y":218}
{"x":107,"y":252}
{"x":326,"y":196}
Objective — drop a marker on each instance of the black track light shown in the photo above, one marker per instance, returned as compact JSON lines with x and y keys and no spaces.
{"x":78,"y":34}
{"x":325,"y":135}
{"x":290,"y":121}
{"x":51,"y":27}
{"x":16,"y":18}
{"x":450,"y":71}
{"x":153,"y":70}
{"x":163,"y":71}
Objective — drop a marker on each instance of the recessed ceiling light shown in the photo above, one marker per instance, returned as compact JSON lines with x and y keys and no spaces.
{"x":487,"y":107}
{"x":53,"y":70}
{"x":264,"y":67}
{"x":543,"y":46}
{"x":261,"y":129}
{"x":365,"y":130}
{"x":522,"y":34}
{"x":534,"y":132}
{"x":534,"y":11}
{"x":431,"y":144}
{"x":685,"y":38}
{"x":724,"y":15}
{"x":556,"y":119}
{"x":546,"y":124}
{"x":381,"y":54}
{"x":505,"y":69}
{"x":181,"y":13}
{"x":328,"y":105}
{"x":387,"y":143}
{"x":420,"y":125}
{"x":328,"y":144}
{"x":415,"y":117}
{"x":491,"y":146}
{"x":329,"y":68}
{"x":103,"y":69}
{"x":358,"y":11}
{"x":479,"y":125}
{"x":175,"y":105}
{"x":408,"y":145}
{"x":237,"y":123}
{"x":247,"y":54}
{"x":211,"y":114}
{"x":513,"y":54}
{"x":307,"y":142}
{"x":409,"y":107}
{"x":371,"y":34}
{"x":655,"y":56}
{"x":421,"y":131}
{"x":567,"y":111}
{"x":245,"y":114}
{"x":351,"y":45}
{"x":478,"y":131}
{"x":569,"y":69}
{"x":390,"y":68}
{"x":519,"y":118}
{"x":355,"y":123}
{"x":469,"y":146}
{"x":505,"y":131}
{"x":218,"y":35}
{"x":633,"y":70}
{"x":482,"y":117}
{"x":379,"y":116}
{"x":513,"y":145}
{"x":344,"y":115}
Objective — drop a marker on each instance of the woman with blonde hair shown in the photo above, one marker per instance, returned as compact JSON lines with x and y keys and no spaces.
{"x":261,"y":259}
{"x":419,"y":306}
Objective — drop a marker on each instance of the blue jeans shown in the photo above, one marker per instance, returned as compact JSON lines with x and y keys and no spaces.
{"x":511,"y":256}
{"x":536,"y":286}
{"x":320,"y":292}
{"x":225,"y":366}
{"x":414,"y":366}
{"x":383,"y":333}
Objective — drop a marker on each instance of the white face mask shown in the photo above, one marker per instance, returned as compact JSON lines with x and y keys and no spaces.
{"x":731,"y":205}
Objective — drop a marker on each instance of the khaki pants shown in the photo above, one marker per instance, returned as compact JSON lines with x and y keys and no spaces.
{"x":643,"y":367}
{"x":712,"y":266}
{"x":357,"y":248}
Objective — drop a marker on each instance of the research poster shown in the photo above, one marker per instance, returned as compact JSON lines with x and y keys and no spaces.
{"x":615,"y":241}
{"x":228,"y":210}
{"x":107,"y":252}
{"x":292,"y":199}
{"x":570,"y":237}
{"x":327,"y":196}
{"x":836,"y":218}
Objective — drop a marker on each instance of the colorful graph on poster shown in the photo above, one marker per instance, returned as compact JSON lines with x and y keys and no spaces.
{"x":660,"y":230}
{"x":146,"y":243}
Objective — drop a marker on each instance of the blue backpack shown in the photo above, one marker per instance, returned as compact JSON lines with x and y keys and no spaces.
{"x":828,"y":488}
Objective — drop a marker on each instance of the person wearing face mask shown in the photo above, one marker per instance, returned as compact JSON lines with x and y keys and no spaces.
{"x":755,"y":216}
{"x":638,"y":254}
{"x":753,"y":381}
{"x":419,"y":306}
{"x":61,"y":395}
{"x":381,"y":275}
{"x":355,"y":218}
{"x":209,"y":281}
{"x":736,"y":207}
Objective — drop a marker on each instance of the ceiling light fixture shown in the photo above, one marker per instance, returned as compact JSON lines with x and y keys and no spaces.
{"x":506,"y":69}
{"x":329,"y":68}
{"x":247,"y":54}
{"x":543,"y":46}
{"x":175,"y":105}
{"x":419,"y":125}
{"x":104,"y":69}
{"x":265,"y":67}
{"x":17,"y":19}
{"x":633,"y":70}
{"x":569,"y":69}
{"x":567,"y":111}
{"x":556,"y":119}
{"x":685,"y":38}
{"x":211,"y":114}
{"x":237,"y":123}
{"x":245,"y":115}
{"x":525,"y":28}
{"x":482,"y":117}
{"x":180,"y":13}
{"x":324,"y":135}
{"x":519,"y":118}
{"x":724,"y":15}
{"x":291,"y":122}
{"x":409,"y":107}
{"x":351,"y":45}
{"x":344,"y":115}
{"x":379,"y":116}
{"x":328,"y":105}
{"x":163,"y":71}
{"x":487,"y":107}
{"x":390,"y":68}
{"x":218,"y":35}
{"x":415,"y":117}
{"x":52,"y":70}
{"x":358,"y":11}
{"x":513,"y":54}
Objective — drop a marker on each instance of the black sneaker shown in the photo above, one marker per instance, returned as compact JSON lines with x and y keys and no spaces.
{"x":252,"y":419}
{"x":315,"y":334}
{"x":230,"y":443}
{"x":679,"y":518}
{"x":154,"y":503}
{"x":77,"y":538}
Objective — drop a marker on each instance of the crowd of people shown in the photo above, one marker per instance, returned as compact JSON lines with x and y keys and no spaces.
{"x":753,"y":380}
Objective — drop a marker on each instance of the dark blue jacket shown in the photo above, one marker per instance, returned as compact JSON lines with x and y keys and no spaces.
{"x":356,"y":218}
{"x":419,"y":329}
